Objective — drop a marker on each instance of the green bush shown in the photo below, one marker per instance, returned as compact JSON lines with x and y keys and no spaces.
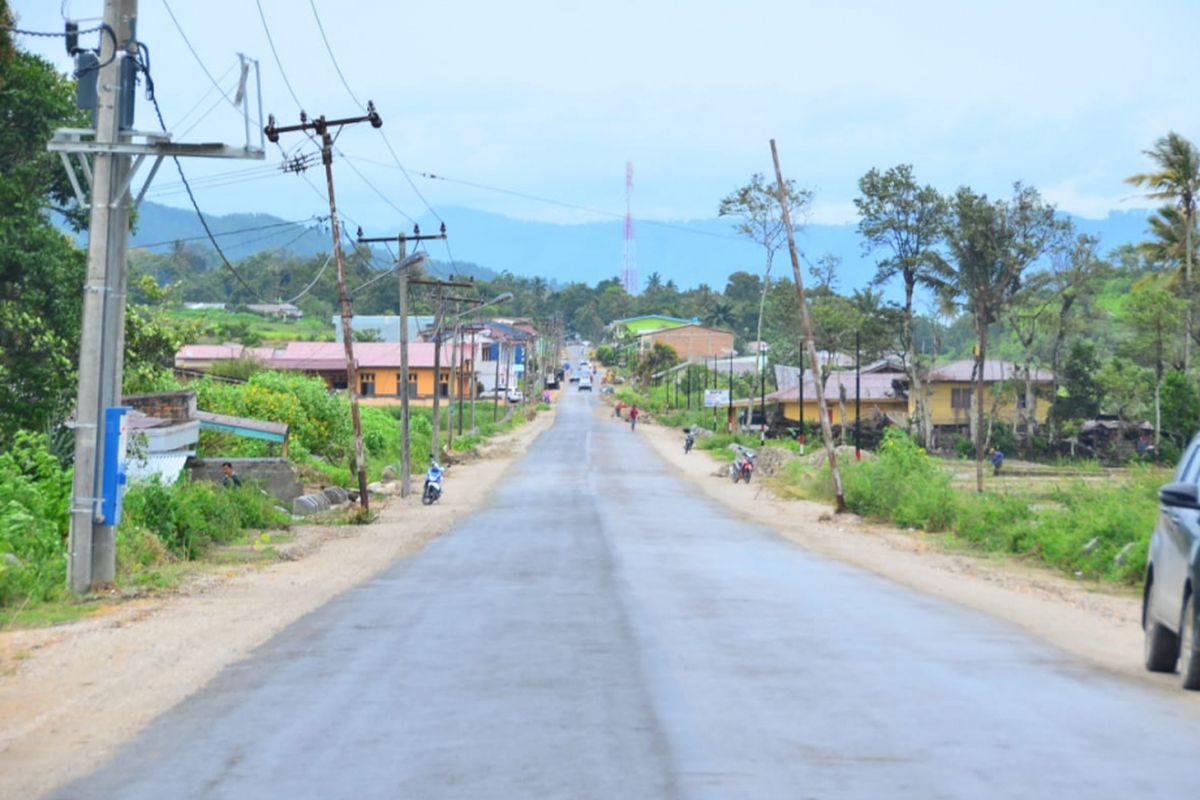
{"x":35,"y":494}
{"x":1107,"y":517}
{"x":903,"y":484}
{"x":190,"y":516}
{"x":997,"y":522}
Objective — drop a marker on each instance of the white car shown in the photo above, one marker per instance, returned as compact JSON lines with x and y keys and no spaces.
{"x":585,"y":383}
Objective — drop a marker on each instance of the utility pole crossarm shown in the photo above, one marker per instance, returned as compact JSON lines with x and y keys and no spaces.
{"x":321,"y":126}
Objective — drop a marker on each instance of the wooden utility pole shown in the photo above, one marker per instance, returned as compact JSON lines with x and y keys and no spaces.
{"x":403,"y":265}
{"x":405,"y":435}
{"x":806,"y":319}
{"x":322,"y":126}
{"x":435,"y":449}
{"x":112,"y":145}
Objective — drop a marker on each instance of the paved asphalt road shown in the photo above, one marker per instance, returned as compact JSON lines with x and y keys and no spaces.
{"x":602,"y":631}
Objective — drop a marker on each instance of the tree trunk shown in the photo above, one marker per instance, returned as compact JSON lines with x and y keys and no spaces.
{"x":1056,"y":358}
{"x":978,"y":398}
{"x":1157,"y":415}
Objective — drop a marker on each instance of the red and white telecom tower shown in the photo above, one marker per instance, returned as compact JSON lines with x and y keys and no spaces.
{"x":629,"y":278}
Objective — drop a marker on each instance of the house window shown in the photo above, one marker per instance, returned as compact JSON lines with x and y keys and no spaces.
{"x":1021,"y":401}
{"x":488,"y":352}
{"x":960,"y":398}
{"x":338,"y":382}
{"x":444,"y":384}
{"x":412,"y":384}
{"x":366,"y":383}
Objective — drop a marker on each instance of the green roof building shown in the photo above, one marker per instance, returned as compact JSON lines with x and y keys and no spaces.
{"x":635,"y":326}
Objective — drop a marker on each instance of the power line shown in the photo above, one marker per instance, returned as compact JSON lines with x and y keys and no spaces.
{"x":387,"y":142}
{"x":274,"y":52}
{"x":254,"y":229}
{"x":551,"y":201}
{"x":195,"y":55}
{"x":204,"y":97}
{"x":328,"y":49}
{"x":144,"y":66}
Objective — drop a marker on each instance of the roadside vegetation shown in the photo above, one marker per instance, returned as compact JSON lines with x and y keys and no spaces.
{"x":1097,"y":529}
{"x":167,"y":527}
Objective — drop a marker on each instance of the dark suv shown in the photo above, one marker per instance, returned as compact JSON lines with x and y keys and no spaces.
{"x":1173,"y":575}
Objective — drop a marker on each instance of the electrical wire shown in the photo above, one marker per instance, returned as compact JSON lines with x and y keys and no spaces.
{"x":254,"y":229}
{"x":328,"y":49}
{"x":51,"y":34}
{"x":274,"y":52}
{"x":153,"y":97}
{"x":387,"y":142}
{"x":195,"y":55}
{"x":313,"y":282}
{"x":204,"y":97}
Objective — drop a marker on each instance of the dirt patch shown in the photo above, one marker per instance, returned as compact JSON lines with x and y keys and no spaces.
{"x":1097,"y":622}
{"x":69,"y":695}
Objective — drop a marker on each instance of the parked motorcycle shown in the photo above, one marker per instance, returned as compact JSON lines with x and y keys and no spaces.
{"x":433,"y":484}
{"x":689,"y":439}
{"x":743,"y":466}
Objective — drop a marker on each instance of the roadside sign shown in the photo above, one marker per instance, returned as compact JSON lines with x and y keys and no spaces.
{"x":716,"y":398}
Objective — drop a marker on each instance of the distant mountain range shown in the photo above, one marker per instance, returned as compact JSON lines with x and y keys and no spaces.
{"x":689,"y":253}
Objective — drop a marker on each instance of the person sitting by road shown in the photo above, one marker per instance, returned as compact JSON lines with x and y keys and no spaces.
{"x":633,"y":417}
{"x":617,"y":409}
{"x":997,"y":459}
{"x":231,"y":480}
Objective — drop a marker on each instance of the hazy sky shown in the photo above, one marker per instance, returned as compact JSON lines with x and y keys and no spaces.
{"x":552,"y":98}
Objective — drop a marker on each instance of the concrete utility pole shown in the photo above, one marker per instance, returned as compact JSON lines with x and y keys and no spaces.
{"x":806,"y":319}
{"x":321,"y":126}
{"x":404,"y":265}
{"x":113,"y":143}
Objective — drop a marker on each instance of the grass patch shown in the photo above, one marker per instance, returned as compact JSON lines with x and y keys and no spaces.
{"x":45,"y":614}
{"x":1088,"y":528}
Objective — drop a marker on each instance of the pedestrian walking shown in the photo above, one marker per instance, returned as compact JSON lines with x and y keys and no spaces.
{"x":997,"y":459}
{"x":633,"y":416}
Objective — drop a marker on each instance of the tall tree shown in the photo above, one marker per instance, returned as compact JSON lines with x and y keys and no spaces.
{"x":1177,"y":180}
{"x":1154,"y":315}
{"x":907,"y":220}
{"x":759,"y":212}
{"x":991,"y":244}
{"x":41,"y":271}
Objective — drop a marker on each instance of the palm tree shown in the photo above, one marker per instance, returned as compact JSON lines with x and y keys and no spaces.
{"x":720,"y":315}
{"x":1177,"y":180}
{"x":654,"y":283}
{"x":1168,"y":247}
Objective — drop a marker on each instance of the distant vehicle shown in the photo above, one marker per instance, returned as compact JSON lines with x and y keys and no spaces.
{"x":607,"y":390}
{"x":1169,"y":610}
{"x":512,"y":395}
{"x":585,"y":383}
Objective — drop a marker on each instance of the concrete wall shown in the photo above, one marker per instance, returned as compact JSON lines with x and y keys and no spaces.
{"x":275,"y":474}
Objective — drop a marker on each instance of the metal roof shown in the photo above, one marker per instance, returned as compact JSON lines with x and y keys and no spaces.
{"x":994,"y":370}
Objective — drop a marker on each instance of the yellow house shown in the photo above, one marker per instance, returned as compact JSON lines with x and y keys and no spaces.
{"x":882,"y":395}
{"x":952,"y":389}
